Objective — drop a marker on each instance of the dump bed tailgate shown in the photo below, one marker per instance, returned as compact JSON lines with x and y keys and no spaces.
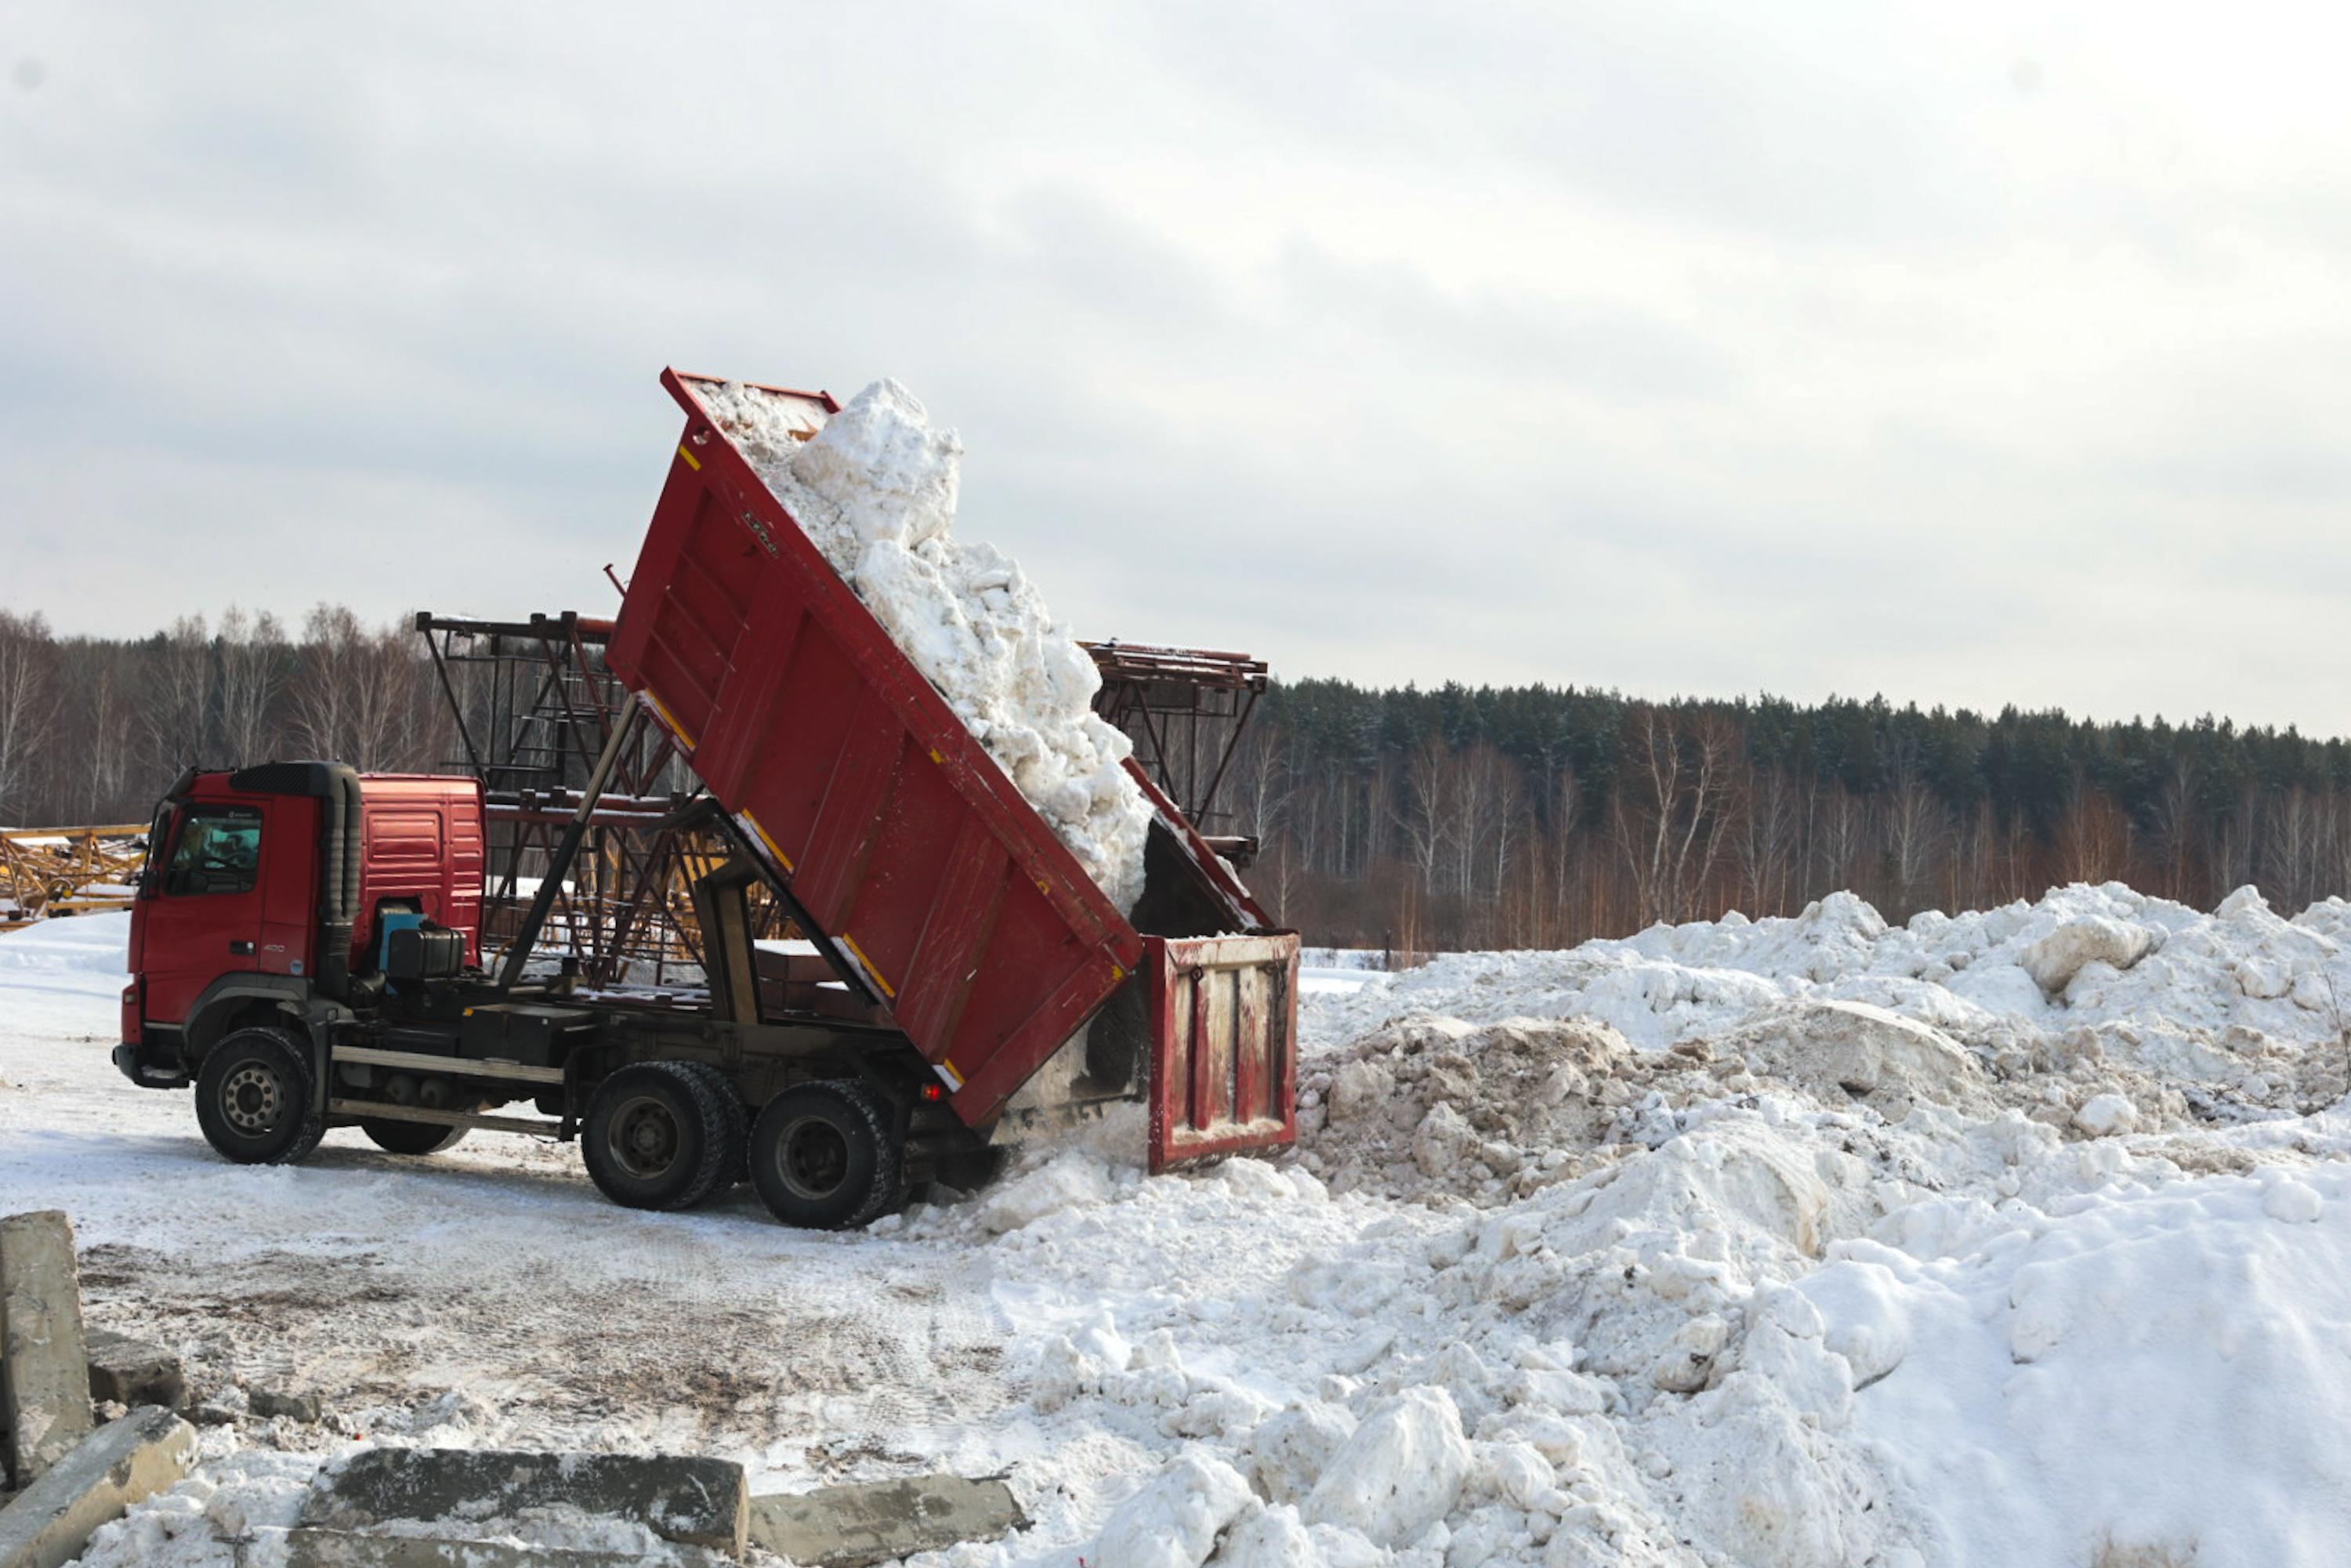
{"x":916,"y":860}
{"x":1224,"y":1029}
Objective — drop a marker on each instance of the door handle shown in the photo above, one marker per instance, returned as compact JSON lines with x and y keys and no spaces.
{"x":241,"y":949}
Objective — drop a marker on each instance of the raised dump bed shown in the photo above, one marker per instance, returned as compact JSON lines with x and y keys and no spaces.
{"x":910,"y":856}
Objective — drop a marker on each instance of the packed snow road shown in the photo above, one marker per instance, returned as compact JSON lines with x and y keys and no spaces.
{"x":492,"y":1278}
{"x":2018,"y":1237}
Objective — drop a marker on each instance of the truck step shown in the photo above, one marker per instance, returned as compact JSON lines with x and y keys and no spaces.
{"x":539,"y":1125}
{"x":463,"y":1066}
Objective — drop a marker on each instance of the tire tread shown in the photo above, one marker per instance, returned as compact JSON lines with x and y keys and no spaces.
{"x":734,"y":1123}
{"x":313,"y":1124}
{"x":885,"y":1187}
{"x":709,"y":1109}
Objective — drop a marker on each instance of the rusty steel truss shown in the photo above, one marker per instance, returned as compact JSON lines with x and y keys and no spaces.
{"x":534,"y":705}
{"x":1185,"y":709}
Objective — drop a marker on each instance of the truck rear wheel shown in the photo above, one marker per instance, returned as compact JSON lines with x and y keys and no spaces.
{"x":825,"y":1156}
{"x":656,"y":1136}
{"x":734,"y":1126}
{"x":409,"y":1137}
{"x":254,"y":1099}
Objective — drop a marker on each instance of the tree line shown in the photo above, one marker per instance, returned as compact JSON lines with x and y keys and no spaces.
{"x":1422,"y":820}
{"x":94,"y":730}
{"x":1541,"y":816}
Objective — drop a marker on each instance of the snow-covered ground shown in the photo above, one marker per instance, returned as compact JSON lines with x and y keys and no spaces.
{"x":2016,"y":1237}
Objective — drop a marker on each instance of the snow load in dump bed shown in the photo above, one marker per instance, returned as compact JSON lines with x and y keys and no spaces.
{"x":916,"y":860}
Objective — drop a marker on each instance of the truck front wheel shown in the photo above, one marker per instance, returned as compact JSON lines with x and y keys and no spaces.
{"x":656,"y":1136}
{"x":825,"y":1156}
{"x":253,"y":1101}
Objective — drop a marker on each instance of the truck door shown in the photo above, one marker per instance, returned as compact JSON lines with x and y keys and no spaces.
{"x":205,"y":919}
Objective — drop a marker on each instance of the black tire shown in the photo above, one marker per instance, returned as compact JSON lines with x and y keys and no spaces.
{"x":655,"y":1135}
{"x":253,"y":1098}
{"x":825,"y":1156}
{"x":409,"y":1137}
{"x":735,"y":1128}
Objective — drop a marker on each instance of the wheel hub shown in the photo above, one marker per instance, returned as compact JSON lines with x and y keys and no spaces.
{"x":251,"y":1099}
{"x":644,"y":1139}
{"x":812,"y":1157}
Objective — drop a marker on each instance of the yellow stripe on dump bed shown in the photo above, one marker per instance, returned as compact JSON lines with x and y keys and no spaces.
{"x":690,"y":462}
{"x":774,"y":849}
{"x":867,"y":964}
{"x":670,"y":719}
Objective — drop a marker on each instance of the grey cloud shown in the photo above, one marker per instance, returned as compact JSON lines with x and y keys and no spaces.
{"x":1671,"y":347}
{"x":1799,"y":124}
{"x":1601,"y":347}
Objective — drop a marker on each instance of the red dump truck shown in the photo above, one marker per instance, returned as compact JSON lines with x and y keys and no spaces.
{"x":305,"y":945}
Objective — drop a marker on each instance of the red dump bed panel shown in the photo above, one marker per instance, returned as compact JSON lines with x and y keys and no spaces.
{"x":917,"y":859}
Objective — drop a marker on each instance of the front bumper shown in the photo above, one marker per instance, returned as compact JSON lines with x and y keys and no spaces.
{"x":138,"y":1063}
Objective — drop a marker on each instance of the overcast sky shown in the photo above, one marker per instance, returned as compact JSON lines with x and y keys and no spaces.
{"x":1968,"y":353}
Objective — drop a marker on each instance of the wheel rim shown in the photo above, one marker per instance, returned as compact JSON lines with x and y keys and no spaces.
{"x":252,"y":1098}
{"x":812,"y":1157}
{"x":643,"y":1137}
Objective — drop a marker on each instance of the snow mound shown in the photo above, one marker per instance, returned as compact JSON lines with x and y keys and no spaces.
{"x":1434,"y":1106}
{"x":1774,"y":1244}
{"x":2226,"y":1006}
{"x":1402,"y":1470}
{"x":876,"y":488}
{"x":1832,"y":1047}
{"x":2056,"y":959}
{"x":1072,"y":1178}
{"x":2141,"y":1376}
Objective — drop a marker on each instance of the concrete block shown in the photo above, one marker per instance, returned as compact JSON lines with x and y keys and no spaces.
{"x":314,"y":1548}
{"x":44,"y":1370}
{"x":876,"y":1522}
{"x":131,"y":1372}
{"x":702,"y":1503}
{"x":269,"y":1402}
{"x":124,"y":1462}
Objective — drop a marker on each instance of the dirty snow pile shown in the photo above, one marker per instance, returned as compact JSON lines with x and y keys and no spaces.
{"x":875,"y":488}
{"x":1776,"y":1336}
{"x":1714,"y":1249}
{"x":2241,"y":1010}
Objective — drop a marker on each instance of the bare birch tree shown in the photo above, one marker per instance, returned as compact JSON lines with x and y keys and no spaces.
{"x":28,"y":706}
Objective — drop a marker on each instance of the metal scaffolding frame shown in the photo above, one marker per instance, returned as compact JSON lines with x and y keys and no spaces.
{"x":533,"y":705}
{"x":1185,"y":709}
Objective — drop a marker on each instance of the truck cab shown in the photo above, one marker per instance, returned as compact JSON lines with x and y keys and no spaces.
{"x":268,"y":889}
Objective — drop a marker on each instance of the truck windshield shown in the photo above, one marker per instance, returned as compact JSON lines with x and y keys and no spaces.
{"x":219,"y":851}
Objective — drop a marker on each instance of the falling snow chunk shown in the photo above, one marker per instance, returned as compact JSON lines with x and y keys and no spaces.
{"x":1175,"y":1520}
